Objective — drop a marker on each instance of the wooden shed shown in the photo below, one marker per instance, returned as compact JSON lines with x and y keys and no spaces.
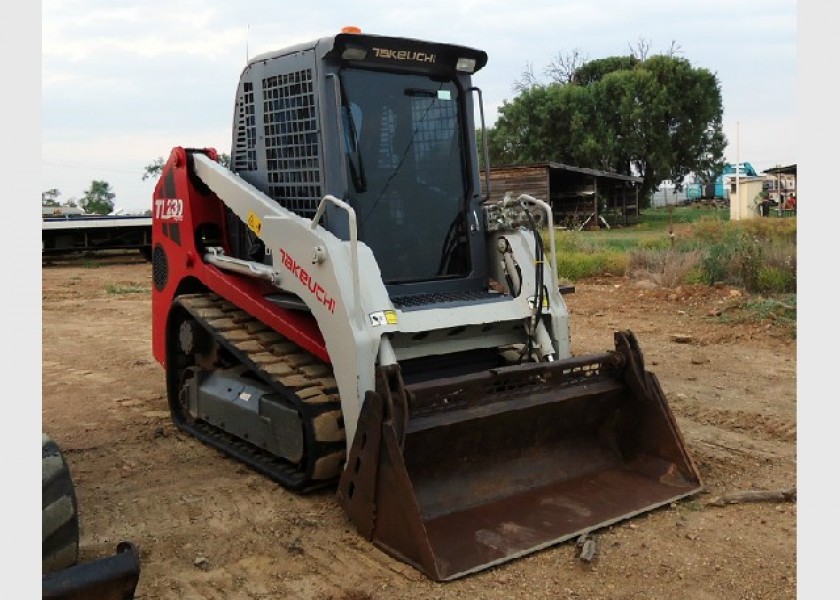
{"x":579,"y":197}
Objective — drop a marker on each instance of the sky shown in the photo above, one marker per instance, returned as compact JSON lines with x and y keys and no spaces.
{"x":124,"y":83}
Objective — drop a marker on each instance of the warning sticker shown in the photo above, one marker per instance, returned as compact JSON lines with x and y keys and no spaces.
{"x":383,"y":317}
{"x":254,"y":223}
{"x":532,"y":301}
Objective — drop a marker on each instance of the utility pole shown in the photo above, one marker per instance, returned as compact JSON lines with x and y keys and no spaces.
{"x":738,"y":168}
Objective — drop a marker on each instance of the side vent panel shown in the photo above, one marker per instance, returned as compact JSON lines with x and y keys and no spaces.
{"x":291,"y":141}
{"x":245,"y":146}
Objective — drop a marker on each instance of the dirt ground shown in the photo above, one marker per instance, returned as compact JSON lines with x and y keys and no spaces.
{"x":207,"y":527}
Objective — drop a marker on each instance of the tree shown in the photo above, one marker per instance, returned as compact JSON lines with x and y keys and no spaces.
{"x":642,"y":48}
{"x":527,"y":79}
{"x":154,"y":169}
{"x":595,"y":70}
{"x":560,"y":70}
{"x":656,"y":117}
{"x":541,"y":124}
{"x":50,"y":197}
{"x":563,"y":67}
{"x":99,"y":199}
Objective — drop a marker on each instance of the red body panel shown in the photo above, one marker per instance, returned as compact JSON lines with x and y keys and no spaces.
{"x":179,"y":206}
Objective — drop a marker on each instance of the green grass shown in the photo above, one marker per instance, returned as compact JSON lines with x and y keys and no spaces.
{"x":692,"y":245}
{"x":779,"y":309}
{"x":122,"y":288}
{"x":758,"y":255}
{"x":661,"y":218}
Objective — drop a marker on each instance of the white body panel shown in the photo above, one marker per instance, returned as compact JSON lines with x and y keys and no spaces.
{"x":340,"y":283}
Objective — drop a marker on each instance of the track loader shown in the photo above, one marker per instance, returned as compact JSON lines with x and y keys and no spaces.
{"x":342,"y":306}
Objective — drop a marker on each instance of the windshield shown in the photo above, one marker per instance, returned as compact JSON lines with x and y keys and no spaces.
{"x":406,"y":168}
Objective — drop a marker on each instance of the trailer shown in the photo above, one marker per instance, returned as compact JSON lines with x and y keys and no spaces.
{"x":69,"y":233}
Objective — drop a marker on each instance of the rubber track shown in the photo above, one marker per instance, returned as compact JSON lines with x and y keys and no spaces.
{"x":293,"y":373}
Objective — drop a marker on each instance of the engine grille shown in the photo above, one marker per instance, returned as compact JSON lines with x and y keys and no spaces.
{"x":291,"y":141}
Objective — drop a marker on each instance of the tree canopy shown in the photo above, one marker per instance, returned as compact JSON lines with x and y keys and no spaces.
{"x":154,"y":169}
{"x":50,"y":197}
{"x":656,"y":117}
{"x":98,"y":199}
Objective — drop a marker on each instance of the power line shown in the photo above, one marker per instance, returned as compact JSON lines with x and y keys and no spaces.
{"x":88,"y":168}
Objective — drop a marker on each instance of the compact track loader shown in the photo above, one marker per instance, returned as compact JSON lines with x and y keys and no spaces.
{"x":342,"y":306}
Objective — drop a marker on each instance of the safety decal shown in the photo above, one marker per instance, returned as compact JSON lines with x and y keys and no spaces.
{"x":254,"y":223}
{"x":532,"y":301}
{"x":383,"y":317}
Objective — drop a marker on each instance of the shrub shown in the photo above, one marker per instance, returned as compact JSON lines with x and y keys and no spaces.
{"x":667,"y":268}
{"x":758,"y":254}
{"x":715,"y":264}
{"x":772,"y":280}
{"x":746,"y":260}
{"x":707,"y":231}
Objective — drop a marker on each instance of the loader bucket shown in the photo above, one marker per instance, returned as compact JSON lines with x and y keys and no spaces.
{"x":456,"y":475}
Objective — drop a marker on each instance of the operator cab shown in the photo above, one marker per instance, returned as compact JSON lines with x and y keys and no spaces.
{"x":385,"y":124}
{"x":411,"y":165}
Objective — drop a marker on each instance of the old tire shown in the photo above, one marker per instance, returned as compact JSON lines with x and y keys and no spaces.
{"x":59,"y":511}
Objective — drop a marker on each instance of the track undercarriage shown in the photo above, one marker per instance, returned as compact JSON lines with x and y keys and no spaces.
{"x":248,"y":391}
